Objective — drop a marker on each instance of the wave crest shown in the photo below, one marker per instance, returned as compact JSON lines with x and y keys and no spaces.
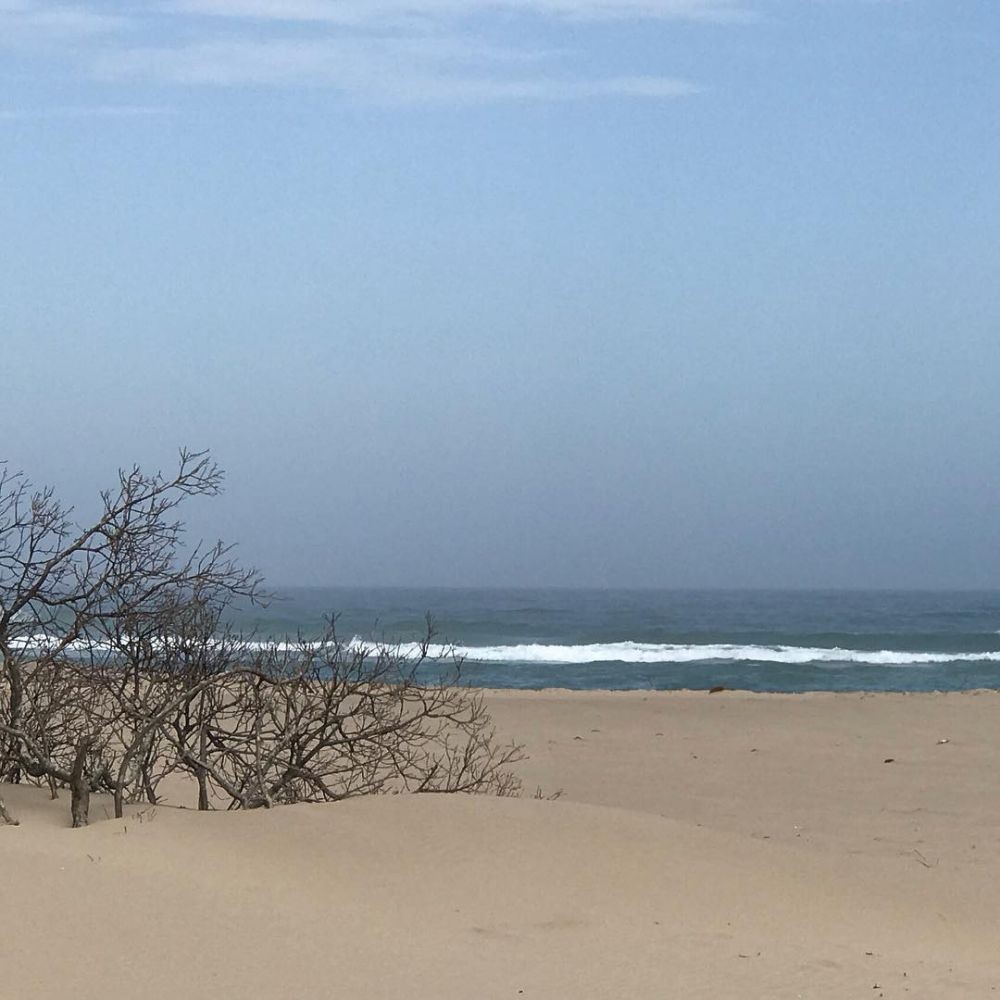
{"x":610,"y":652}
{"x":642,"y":652}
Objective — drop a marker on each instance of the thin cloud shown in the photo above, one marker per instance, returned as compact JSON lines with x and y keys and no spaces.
{"x":550,"y":89}
{"x":34,"y":21}
{"x":381,"y":51}
{"x":388,"y":71}
{"x":384,"y":12}
{"x":96,"y":111}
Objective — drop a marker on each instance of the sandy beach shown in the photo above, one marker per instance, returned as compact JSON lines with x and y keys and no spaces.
{"x":727,"y":846}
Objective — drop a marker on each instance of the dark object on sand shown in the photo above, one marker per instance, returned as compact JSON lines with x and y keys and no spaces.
{"x":717,"y":688}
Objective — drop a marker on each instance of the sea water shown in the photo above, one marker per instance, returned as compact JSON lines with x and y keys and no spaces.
{"x":665,"y":639}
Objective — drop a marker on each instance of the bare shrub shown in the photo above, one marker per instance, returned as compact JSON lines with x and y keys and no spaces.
{"x":327,"y":720}
{"x":118,"y":670}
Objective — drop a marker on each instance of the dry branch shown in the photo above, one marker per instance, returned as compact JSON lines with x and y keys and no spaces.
{"x":118,"y":670}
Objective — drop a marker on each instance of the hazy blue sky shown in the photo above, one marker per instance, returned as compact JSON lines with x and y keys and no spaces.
{"x":596,"y":292}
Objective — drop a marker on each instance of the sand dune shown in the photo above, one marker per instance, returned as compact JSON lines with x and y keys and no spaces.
{"x":687,"y":864}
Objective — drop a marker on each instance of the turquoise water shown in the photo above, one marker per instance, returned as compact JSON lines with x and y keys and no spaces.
{"x":756,"y":640}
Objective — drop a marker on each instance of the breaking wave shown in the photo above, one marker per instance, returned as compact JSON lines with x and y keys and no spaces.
{"x":611,"y":652}
{"x":642,"y":652}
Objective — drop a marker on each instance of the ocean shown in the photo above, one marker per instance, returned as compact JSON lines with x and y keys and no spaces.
{"x":671,"y":639}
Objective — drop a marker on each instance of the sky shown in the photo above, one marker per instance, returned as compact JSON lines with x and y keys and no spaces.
{"x":678,"y":293}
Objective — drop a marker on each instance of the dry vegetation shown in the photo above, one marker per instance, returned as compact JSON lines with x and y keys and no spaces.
{"x":118,"y":671}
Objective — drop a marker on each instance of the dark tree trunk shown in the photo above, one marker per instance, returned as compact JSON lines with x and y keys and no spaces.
{"x":147,"y":781}
{"x":80,"y":784}
{"x":149,"y":790}
{"x":202,"y":776}
{"x":6,"y":816}
{"x":15,"y":683}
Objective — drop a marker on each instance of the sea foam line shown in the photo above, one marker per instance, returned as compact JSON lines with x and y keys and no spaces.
{"x":610,"y":652}
{"x":641,"y":652}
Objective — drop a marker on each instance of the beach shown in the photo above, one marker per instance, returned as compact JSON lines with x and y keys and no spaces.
{"x":726,"y":845}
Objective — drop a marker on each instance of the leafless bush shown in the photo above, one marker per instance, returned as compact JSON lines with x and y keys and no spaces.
{"x":118,"y":670}
{"x":327,"y":720}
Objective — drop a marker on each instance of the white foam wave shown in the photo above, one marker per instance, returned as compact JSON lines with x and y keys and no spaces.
{"x":641,"y":652}
{"x":611,"y":652}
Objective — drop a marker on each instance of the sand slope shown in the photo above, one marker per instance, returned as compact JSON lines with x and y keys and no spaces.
{"x":446,"y":897}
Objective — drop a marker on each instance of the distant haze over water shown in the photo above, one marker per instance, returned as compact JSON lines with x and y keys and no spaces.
{"x":667,"y":639}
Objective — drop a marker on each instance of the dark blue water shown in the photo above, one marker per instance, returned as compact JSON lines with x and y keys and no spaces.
{"x":756,"y":640}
